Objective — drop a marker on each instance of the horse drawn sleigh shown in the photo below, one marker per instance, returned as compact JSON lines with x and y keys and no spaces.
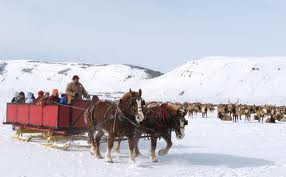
{"x":126,"y":118}
{"x":53,"y":122}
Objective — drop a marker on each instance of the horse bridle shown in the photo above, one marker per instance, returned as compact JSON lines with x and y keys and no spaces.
{"x":130,"y":103}
{"x":182,"y":119}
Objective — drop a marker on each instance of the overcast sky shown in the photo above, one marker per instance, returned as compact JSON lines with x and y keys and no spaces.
{"x":158,"y":34}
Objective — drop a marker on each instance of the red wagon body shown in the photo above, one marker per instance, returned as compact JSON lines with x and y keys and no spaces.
{"x":61,"y":119}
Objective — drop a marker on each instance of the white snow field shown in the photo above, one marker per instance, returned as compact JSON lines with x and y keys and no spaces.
{"x":211,"y":148}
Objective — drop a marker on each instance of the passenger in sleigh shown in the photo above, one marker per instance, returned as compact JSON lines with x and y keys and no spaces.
{"x":54,"y":98}
{"x":15,"y":98}
{"x":63,"y":99}
{"x":42,"y":100}
{"x":40,"y":96}
{"x":21,"y":98}
{"x":30,"y":98}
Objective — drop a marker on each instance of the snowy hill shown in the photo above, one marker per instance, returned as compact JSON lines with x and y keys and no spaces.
{"x":108,"y":81}
{"x":212,"y":79}
{"x":219,"y":79}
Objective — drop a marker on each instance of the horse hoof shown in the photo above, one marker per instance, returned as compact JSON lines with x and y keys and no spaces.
{"x":138,"y":154}
{"x":162,"y":152}
{"x":131,"y":160}
{"x":99,"y":157}
{"x":92,"y":151}
{"x":109,"y":160}
{"x":154,"y":160}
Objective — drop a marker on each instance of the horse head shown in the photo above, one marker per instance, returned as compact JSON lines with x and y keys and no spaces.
{"x":178,"y":120}
{"x":131,"y":104}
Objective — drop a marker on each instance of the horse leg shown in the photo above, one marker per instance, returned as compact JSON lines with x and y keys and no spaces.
{"x":153,"y":157}
{"x":131,"y":148}
{"x":117,"y":146}
{"x":136,"y":141}
{"x":98,"y":137}
{"x":168,"y":140}
{"x":91,"y":141}
{"x":111,"y":138}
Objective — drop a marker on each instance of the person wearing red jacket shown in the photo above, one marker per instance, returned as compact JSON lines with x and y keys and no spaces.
{"x":40,"y":95}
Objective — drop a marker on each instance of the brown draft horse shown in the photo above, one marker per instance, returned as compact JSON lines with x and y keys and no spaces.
{"x":159,"y":122}
{"x":117,"y":120}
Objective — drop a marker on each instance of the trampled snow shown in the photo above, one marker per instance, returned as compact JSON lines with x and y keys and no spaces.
{"x":210,"y":148}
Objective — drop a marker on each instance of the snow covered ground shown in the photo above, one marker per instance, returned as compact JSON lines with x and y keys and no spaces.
{"x":211,"y":148}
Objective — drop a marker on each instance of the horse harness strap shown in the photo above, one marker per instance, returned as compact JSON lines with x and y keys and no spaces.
{"x":118,"y":114}
{"x":160,"y":112}
{"x":163,"y":114}
{"x":125,"y":117}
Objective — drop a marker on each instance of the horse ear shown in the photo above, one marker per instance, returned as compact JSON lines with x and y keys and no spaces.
{"x":140,"y":92}
{"x":130,"y":92}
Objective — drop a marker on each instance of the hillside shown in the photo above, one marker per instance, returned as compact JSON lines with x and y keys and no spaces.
{"x":212,"y":79}
{"x":223,"y":79}
{"x":108,"y":81}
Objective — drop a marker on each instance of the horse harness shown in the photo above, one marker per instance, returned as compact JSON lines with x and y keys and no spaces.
{"x":118,"y":114}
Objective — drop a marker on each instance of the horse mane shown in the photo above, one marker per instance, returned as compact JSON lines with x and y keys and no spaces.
{"x":172,"y":108}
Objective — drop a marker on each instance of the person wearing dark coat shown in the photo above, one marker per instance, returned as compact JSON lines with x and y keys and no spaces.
{"x":21,"y":98}
{"x":54,"y":98}
{"x":14,"y":100}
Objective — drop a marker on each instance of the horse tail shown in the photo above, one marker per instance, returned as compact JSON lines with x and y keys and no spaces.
{"x":89,"y":116}
{"x":85,"y":116}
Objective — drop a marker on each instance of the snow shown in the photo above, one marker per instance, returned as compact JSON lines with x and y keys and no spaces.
{"x":210,"y":148}
{"x":107,"y":81}
{"x":211,"y":79}
{"x":222,"y":79}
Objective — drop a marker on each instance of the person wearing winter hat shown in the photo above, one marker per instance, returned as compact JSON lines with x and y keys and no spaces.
{"x":54,"y":98}
{"x":21,"y":98}
{"x":63,"y":99}
{"x":29,"y":99}
{"x":75,"y":90}
{"x":42,"y":100}
{"x":40,"y":95}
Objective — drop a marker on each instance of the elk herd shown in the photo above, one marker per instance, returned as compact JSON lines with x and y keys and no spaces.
{"x":236,"y":112}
